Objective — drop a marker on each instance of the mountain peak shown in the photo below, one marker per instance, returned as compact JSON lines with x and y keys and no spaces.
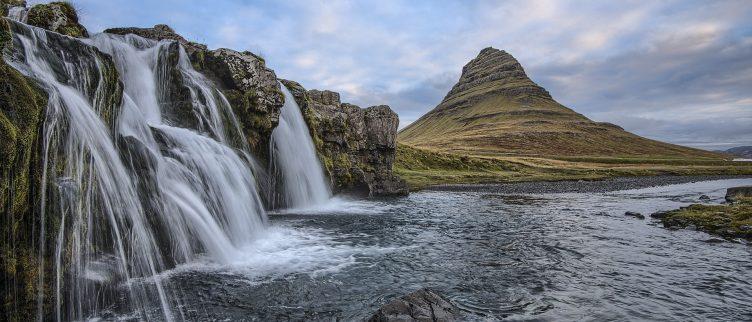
{"x":495,"y":72}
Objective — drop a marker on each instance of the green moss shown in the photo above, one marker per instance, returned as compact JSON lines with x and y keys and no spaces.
{"x":44,"y":16}
{"x":731,"y":221}
{"x":21,"y":108}
{"x":5,"y":36}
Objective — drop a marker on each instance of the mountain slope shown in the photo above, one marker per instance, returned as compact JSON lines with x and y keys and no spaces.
{"x":495,"y":109}
{"x":741,"y":151}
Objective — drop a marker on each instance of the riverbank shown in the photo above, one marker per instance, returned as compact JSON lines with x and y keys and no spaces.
{"x":581,"y":186}
{"x":423,"y":169}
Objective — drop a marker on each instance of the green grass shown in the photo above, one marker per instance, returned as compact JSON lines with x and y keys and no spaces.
{"x":731,"y":221}
{"x":422,"y":168}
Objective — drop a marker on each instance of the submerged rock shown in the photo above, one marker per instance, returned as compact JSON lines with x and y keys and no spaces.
{"x":634,"y":214}
{"x":421,"y":305}
{"x":704,"y":197}
{"x":735,"y":193}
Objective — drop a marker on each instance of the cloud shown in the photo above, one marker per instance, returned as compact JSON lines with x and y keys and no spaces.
{"x":672,"y":70}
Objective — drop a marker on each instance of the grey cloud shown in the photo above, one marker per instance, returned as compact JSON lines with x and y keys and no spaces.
{"x":693,"y":96}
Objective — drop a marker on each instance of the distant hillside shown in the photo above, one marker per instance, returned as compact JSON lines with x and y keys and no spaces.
{"x":495,"y":109}
{"x":741,"y":151}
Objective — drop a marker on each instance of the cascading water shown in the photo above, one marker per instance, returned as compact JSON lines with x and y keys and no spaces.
{"x":127,"y":189}
{"x":18,"y":13}
{"x":293,"y":155}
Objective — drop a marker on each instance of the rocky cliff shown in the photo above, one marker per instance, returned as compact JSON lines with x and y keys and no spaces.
{"x":496,"y":109}
{"x":357,"y":146}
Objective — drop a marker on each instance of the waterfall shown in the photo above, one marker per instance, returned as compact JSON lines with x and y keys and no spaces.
{"x":18,"y":13}
{"x":293,"y":155}
{"x":131,"y":185}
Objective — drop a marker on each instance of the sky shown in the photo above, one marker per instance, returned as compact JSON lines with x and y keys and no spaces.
{"x":676,"y":71}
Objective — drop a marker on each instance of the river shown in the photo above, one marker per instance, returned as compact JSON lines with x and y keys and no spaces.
{"x":546,"y":256}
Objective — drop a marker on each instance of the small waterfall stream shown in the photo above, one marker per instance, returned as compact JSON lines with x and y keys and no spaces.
{"x":293,"y":154}
{"x":128,"y":190}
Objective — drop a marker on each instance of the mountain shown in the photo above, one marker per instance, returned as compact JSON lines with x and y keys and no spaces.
{"x":496,"y":109}
{"x":741,"y":151}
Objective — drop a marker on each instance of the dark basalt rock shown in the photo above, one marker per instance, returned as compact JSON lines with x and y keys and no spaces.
{"x":634,"y":214}
{"x":357,"y":146}
{"x":421,"y":305}
{"x":659,"y":214}
{"x":733,"y":194}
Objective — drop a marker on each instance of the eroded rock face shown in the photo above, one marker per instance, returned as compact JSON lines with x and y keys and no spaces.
{"x":357,"y":146}
{"x":422,"y":305}
{"x":59,"y":17}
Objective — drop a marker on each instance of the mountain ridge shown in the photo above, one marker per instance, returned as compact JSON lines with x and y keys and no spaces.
{"x":496,"y":109}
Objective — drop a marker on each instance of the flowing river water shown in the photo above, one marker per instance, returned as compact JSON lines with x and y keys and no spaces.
{"x":554,"y":256}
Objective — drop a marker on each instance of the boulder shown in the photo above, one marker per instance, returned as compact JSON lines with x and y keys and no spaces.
{"x":733,"y":194}
{"x":59,"y":17}
{"x":422,"y":305}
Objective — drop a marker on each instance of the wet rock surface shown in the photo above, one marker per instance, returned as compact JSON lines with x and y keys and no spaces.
{"x":634,"y":214}
{"x":422,"y":305}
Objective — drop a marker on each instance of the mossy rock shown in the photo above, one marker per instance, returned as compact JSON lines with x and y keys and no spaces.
{"x":60,"y":17}
{"x":730,"y":220}
{"x":21,"y":113}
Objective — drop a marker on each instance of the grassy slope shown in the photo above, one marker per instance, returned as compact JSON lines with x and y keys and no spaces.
{"x":422,"y":167}
{"x":499,"y":125}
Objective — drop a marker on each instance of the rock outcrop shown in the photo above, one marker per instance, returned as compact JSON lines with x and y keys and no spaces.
{"x":159,"y":32}
{"x":736,"y":193}
{"x":423,"y":305}
{"x":59,"y":17}
{"x":357,"y":146}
